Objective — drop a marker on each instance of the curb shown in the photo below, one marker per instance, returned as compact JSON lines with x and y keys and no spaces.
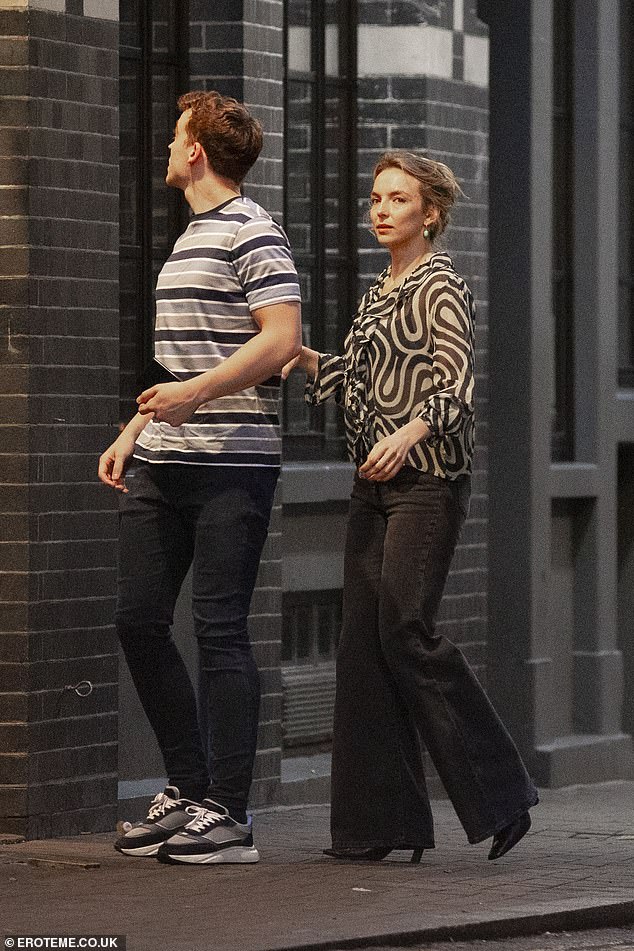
{"x":613,"y":915}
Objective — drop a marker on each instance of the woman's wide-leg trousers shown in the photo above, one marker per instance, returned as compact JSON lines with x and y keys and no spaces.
{"x":401,"y":687}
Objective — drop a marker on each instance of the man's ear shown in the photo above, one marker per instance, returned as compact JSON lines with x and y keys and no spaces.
{"x":195,"y":152}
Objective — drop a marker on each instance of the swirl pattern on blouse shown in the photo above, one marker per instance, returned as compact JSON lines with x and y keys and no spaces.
{"x":409,"y":354}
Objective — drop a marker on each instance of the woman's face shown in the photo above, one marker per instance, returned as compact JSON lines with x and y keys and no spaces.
{"x":396,"y":209}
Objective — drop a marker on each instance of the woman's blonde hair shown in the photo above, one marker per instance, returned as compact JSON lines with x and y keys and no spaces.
{"x":438,"y":184}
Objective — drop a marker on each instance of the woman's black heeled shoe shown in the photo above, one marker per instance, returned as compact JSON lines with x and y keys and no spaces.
{"x":506,"y":838}
{"x":374,"y":854}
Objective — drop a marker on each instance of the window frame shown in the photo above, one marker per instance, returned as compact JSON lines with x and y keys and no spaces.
{"x":626,"y":209}
{"x":563,"y":192}
{"x":146,"y":251}
{"x":323,"y":439}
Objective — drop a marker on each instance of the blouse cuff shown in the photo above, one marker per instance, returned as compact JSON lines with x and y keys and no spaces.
{"x":328,"y":380}
{"x":443,"y":419}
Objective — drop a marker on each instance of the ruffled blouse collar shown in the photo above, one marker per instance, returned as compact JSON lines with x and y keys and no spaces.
{"x":439,"y":260}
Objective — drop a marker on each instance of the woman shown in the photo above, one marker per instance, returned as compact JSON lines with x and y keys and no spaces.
{"x":406,"y":383}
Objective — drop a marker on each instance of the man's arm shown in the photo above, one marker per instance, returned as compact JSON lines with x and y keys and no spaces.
{"x":263,"y":356}
{"x":113,"y":462}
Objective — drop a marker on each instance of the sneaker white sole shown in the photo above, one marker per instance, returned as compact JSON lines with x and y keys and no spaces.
{"x":234,"y":856}
{"x":142,"y":850}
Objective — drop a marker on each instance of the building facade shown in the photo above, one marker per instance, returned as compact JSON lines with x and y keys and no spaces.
{"x":530,"y":104}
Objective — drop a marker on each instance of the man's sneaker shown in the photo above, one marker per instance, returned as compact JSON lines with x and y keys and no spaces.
{"x":167,"y":813}
{"x":210,"y":838}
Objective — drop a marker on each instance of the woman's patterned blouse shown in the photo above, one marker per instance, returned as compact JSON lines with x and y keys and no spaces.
{"x":408,"y":354}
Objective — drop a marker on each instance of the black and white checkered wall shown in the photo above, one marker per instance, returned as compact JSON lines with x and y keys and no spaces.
{"x":413,"y":37}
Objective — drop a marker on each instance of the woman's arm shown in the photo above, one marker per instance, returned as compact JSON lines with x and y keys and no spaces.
{"x":306,"y":360}
{"x":451,"y":318}
{"x":325,"y":374}
{"x":388,"y":455}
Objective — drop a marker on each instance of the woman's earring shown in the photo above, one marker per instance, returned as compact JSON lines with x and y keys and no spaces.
{"x":426,"y":234}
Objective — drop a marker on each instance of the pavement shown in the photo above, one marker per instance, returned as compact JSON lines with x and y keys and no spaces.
{"x":575,"y":869}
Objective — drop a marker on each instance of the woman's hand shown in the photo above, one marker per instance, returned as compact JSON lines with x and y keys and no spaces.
{"x":388,"y":455}
{"x":306,"y":360}
{"x":172,"y":403}
{"x":290,"y":366}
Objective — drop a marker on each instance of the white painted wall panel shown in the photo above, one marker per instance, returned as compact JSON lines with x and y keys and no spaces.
{"x":416,"y":50}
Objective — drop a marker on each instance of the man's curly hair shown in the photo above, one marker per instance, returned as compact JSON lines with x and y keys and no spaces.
{"x":231,"y":137}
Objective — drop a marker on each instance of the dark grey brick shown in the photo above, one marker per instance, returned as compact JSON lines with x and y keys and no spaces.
{"x":269,"y":736}
{"x":14,"y":648}
{"x":224,"y":37}
{"x":14,"y":171}
{"x":375,"y":90}
{"x":13,"y":802}
{"x":13,"y":737}
{"x":13,"y":706}
{"x":54,"y":615}
{"x":84,"y":792}
{"x":50,"y":25}
{"x":14,"y":769}
{"x":14,"y":51}
{"x":267,"y":655}
{"x":220,"y":64}
{"x":14,"y":23}
{"x":14,"y":291}
{"x":14,"y":261}
{"x":223,"y":10}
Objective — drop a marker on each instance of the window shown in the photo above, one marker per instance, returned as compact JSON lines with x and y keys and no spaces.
{"x":563,"y":223}
{"x":153,"y":72}
{"x":320,"y":205}
{"x":312,"y":621}
{"x":626,"y":201}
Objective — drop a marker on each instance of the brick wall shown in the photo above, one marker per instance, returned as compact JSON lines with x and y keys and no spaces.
{"x":58,"y":313}
{"x":443,"y":114}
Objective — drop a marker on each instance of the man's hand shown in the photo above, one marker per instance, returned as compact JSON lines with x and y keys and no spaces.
{"x":172,"y":403}
{"x":388,"y":455}
{"x":114,"y":461}
{"x":261,"y":357}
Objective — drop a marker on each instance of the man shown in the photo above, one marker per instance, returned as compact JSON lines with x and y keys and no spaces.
{"x":207,"y":456}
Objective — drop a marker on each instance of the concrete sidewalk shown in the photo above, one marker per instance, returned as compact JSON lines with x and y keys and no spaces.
{"x":574,"y":869}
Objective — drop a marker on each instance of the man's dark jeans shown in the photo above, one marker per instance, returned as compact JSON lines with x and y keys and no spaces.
{"x":215,"y":517}
{"x":400,"y":685}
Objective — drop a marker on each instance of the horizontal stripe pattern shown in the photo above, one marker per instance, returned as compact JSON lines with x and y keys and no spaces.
{"x":409,"y":353}
{"x":228,"y":263}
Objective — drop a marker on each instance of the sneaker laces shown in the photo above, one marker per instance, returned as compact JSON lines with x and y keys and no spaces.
{"x":160,"y":805}
{"x":204,"y":818}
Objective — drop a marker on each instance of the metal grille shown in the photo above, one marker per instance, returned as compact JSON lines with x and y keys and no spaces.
{"x":309,"y":703}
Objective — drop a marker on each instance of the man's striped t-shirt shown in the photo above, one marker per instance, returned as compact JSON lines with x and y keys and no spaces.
{"x":229,"y":262}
